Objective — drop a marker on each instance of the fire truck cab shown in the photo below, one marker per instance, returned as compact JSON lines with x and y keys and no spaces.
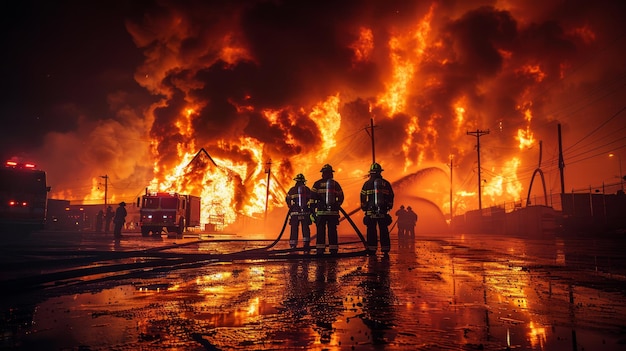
{"x":23,"y":197}
{"x":170,"y":211}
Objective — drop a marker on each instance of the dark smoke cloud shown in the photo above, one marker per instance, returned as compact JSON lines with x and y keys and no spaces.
{"x":287,"y":57}
{"x":298,"y":54}
{"x":477,"y":38}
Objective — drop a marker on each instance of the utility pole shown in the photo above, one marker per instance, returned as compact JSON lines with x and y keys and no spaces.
{"x":451,"y":167}
{"x":561,"y":162}
{"x":268,"y":170}
{"x":373,"y":145}
{"x":621,"y":175}
{"x":478,"y":133}
{"x":106,"y":188}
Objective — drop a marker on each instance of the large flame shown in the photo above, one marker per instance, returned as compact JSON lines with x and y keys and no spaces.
{"x":504,"y":182}
{"x":240,"y":186}
{"x":230,"y":188}
{"x":271,"y":89}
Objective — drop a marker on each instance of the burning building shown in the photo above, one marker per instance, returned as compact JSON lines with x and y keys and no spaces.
{"x":274,"y":88}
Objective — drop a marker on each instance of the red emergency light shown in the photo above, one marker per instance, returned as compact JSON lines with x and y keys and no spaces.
{"x":13,"y":203}
{"x":14,"y":164}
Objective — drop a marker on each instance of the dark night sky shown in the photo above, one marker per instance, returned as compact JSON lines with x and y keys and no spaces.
{"x":91,"y":85}
{"x":61,"y":59}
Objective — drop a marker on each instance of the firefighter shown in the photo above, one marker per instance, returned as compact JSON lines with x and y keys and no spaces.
{"x":327,"y":197}
{"x":411,"y":221}
{"x":119,"y":219}
{"x":401,"y":221}
{"x":99,"y":220}
{"x":108,"y":217}
{"x":376,"y":201}
{"x":299,"y":202}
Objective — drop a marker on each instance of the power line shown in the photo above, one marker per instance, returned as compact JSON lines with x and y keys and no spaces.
{"x":598,"y":127}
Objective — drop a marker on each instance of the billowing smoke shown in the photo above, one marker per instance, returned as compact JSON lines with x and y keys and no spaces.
{"x":296,"y":83}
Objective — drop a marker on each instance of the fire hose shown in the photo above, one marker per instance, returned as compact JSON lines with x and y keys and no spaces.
{"x":282,"y":231}
{"x":155,"y":260}
{"x":393,"y":226}
{"x":356,"y":229}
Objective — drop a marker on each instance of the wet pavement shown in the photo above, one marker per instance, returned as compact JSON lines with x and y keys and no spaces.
{"x":85,"y":291}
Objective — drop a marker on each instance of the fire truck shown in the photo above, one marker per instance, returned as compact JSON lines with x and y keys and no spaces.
{"x":23,"y":197}
{"x":170,"y":211}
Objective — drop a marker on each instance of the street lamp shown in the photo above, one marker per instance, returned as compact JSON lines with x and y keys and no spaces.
{"x":621,"y":175}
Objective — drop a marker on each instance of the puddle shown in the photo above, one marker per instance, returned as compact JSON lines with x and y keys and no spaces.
{"x":433,"y":294}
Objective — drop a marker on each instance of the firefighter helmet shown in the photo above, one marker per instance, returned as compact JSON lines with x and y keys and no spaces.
{"x":376,"y":168}
{"x":300,"y":178}
{"x":327,"y":168}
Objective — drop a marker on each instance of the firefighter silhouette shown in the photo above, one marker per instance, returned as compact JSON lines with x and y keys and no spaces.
{"x":376,"y":201}
{"x":108,"y":217}
{"x":299,"y":201}
{"x":327,"y":197}
{"x":99,"y":220}
{"x":119,"y":219}
{"x":411,"y":221}
{"x":401,"y":221}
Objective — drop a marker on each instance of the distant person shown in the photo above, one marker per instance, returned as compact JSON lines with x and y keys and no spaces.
{"x":299,"y":200}
{"x":119,"y":219}
{"x":376,"y":201}
{"x":99,"y":221}
{"x":401,"y":222}
{"x":108,"y":217}
{"x":411,"y":221}
{"x":327,"y":197}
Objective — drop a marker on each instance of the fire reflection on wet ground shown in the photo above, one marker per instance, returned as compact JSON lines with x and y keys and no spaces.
{"x":459,"y":292}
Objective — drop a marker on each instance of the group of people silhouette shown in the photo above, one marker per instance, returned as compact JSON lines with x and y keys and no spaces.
{"x":321,"y":205}
{"x":105,"y":219}
{"x":118,"y":218}
{"x":406,"y":222}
